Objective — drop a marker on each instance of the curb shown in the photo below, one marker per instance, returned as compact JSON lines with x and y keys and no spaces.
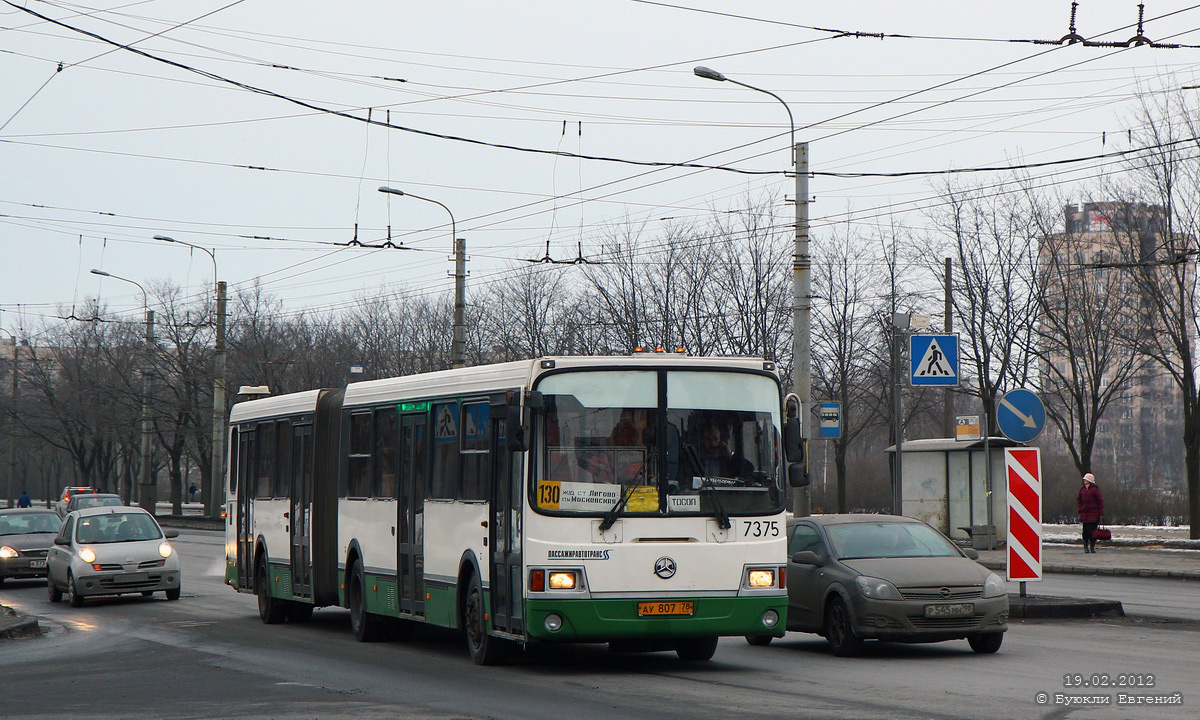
{"x":14,"y":626}
{"x":1059,"y":608}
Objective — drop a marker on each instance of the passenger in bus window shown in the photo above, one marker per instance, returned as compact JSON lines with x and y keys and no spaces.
{"x":631,"y":428}
{"x":716,"y":459}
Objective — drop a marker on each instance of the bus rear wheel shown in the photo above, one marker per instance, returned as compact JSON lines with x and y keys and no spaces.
{"x":367,"y":627}
{"x":270,"y":609}
{"x":485,"y":649}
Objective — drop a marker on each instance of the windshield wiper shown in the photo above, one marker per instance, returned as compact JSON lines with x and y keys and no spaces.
{"x":627,"y":489}
{"x":707,"y":484}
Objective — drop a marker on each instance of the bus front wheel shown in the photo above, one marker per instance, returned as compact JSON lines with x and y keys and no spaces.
{"x":485,"y":649}
{"x":696,"y":649}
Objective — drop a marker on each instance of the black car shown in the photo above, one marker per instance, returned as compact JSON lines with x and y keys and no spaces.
{"x":25,"y":536}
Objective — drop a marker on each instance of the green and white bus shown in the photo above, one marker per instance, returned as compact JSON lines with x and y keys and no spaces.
{"x":636,"y":500}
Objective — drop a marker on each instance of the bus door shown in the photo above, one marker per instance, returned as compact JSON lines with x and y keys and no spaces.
{"x":504,"y":528}
{"x":301,"y":509}
{"x":244,"y":507}
{"x":410,"y":513}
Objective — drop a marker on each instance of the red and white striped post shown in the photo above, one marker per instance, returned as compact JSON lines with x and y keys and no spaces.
{"x":1023,"y":470}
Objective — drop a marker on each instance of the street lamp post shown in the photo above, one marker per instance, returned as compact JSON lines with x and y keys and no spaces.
{"x":215,"y":499}
{"x":147,"y":492}
{"x":801,"y":277}
{"x":458,"y":354}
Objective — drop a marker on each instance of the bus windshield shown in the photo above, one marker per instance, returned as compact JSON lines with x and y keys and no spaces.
{"x":711,"y":448}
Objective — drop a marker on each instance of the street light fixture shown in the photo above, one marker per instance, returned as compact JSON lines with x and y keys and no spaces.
{"x":458,"y":355}
{"x":216,"y":491}
{"x":801,"y":272}
{"x":147,"y":492}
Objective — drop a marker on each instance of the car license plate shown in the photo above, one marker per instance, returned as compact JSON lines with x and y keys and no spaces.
{"x":37,"y":564}
{"x":666,"y":607}
{"x":955,"y":610}
{"x":131,"y":578}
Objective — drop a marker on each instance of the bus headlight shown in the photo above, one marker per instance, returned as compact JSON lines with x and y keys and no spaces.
{"x":554,"y":622}
{"x":770,"y":619}
{"x":563,"y":580}
{"x":760,"y":578}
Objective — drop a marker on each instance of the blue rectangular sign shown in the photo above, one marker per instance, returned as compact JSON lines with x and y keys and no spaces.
{"x":829,"y":416}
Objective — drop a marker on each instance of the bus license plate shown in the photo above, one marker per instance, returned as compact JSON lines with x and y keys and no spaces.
{"x":949,"y":611}
{"x":669,"y":607}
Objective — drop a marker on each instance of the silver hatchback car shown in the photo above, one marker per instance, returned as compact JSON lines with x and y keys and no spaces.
{"x":112,"y":551}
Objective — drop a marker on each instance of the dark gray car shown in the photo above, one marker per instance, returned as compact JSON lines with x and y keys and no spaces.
{"x":25,"y":536}
{"x":858,"y":577}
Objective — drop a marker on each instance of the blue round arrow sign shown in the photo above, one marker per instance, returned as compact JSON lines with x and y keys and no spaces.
{"x":1020,"y":415}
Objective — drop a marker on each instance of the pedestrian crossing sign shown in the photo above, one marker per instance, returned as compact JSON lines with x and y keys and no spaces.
{"x":933,"y":360}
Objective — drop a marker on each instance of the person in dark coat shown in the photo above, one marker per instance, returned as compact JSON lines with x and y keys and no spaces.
{"x":1090,"y":505}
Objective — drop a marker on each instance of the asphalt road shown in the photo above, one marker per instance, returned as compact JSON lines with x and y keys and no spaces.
{"x":208,"y":655}
{"x":1153,"y":597}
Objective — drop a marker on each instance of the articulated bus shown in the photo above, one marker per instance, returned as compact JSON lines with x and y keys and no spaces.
{"x":637,"y":501}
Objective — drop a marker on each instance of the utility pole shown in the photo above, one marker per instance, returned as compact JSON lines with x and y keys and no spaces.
{"x":458,"y":346}
{"x":216,"y":496}
{"x":802,"y":315}
{"x":948,"y":393}
{"x":147,"y":493}
{"x":12,"y":431}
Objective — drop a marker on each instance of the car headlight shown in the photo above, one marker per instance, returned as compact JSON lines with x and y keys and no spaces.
{"x":165,"y":550}
{"x":876,"y":588}
{"x":993,"y":586}
{"x":87,"y":555}
{"x":7,"y":552}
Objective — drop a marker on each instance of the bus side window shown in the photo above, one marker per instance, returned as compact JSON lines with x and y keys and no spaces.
{"x":360,"y":455}
{"x":476,"y":444}
{"x":283,"y":461}
{"x":443,"y":478}
{"x":387,"y":445}
{"x":264,"y":472}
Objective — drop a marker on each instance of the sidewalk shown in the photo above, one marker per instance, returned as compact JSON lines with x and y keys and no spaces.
{"x":1140,"y":561}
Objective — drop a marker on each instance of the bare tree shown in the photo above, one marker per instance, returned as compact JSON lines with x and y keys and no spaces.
{"x":1168,"y":175}
{"x":993,"y":239}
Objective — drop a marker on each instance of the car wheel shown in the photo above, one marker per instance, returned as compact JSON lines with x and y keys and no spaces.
{"x":367,"y":627}
{"x":174,"y":593}
{"x":270,"y":609}
{"x":53,"y":591}
{"x":760,"y":640}
{"x":839,"y":630}
{"x":696,"y":649}
{"x":986,"y":642}
{"x":485,"y":649}
{"x":299,"y":612}
{"x":72,"y":593}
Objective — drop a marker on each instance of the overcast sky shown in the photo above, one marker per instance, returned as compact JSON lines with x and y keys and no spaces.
{"x":238,"y":126}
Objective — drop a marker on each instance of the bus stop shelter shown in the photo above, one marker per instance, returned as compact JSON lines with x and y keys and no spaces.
{"x":957,"y":487}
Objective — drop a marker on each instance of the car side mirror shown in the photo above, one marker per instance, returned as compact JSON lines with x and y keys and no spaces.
{"x":971,"y":553}
{"x":171,"y":533}
{"x":61,"y":541}
{"x":806,"y":557}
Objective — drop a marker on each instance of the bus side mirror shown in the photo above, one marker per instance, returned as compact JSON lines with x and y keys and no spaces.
{"x":793,"y":441}
{"x":518,"y":422}
{"x":797,"y":475}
